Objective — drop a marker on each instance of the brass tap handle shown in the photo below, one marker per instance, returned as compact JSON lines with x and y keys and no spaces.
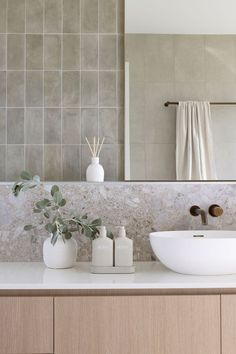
{"x":215,"y":210}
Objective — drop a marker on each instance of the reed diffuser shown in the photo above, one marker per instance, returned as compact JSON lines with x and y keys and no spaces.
{"x":95,"y":171}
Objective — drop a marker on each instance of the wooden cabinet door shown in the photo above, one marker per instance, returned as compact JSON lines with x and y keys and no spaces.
{"x":137,"y":325}
{"x":228,"y":315}
{"x":26,"y":325}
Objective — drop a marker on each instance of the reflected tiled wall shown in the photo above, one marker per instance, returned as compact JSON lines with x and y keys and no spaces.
{"x":174,"y":68}
{"x":61,"y":79}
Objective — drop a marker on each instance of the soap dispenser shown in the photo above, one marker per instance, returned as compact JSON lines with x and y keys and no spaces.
{"x":123,"y":249}
{"x":102,"y":249}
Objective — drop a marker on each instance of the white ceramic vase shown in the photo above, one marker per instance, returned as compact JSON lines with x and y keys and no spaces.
{"x":61,"y":255}
{"x":95,"y":171}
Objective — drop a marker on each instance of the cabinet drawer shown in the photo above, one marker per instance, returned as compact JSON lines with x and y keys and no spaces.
{"x":26,"y":325}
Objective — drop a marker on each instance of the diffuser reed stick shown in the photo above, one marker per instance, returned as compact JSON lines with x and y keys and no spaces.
{"x":96,"y":147}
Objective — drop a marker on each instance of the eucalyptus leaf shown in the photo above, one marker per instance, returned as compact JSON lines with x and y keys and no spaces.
{"x":28,"y":227}
{"x":57,"y":197}
{"x":37,"y":211}
{"x":62,"y":202}
{"x":46,"y":214}
{"x":54,"y":190}
{"x":26,"y":175}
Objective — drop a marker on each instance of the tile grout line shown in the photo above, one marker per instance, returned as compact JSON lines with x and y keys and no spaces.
{"x":62,"y":56}
{"x":25,"y":92}
{"x":6,"y":115}
{"x":80,"y":93}
{"x":43,"y":108}
{"x":117,"y":117}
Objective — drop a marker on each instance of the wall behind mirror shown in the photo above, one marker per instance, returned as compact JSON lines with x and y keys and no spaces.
{"x":61,"y":79}
{"x":178,"y":51}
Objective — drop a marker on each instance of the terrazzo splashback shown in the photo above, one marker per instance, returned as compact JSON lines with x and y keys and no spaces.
{"x":141,"y":207}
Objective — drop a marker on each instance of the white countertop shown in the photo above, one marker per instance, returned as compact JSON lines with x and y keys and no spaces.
{"x":149,"y":275}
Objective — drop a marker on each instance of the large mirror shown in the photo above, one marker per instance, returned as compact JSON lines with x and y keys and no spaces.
{"x":180,"y":90}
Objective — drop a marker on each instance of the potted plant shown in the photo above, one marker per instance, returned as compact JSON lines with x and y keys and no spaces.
{"x":60,"y":248}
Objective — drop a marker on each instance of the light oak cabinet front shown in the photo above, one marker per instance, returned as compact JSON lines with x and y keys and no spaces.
{"x":138,"y":325}
{"x":228,"y":315}
{"x":26,"y":325}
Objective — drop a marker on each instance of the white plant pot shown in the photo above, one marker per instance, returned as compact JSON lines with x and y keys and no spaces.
{"x":61,"y":255}
{"x":95,"y":171}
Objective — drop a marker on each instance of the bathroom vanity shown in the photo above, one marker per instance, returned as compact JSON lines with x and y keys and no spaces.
{"x":153,"y":311}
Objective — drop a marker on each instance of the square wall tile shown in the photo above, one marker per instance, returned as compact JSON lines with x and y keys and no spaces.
{"x":2,"y":51}
{"x":52,"y":163}
{"x":15,"y":89}
{"x":3,"y":163}
{"x":34,"y":51}
{"x":107,"y":92}
{"x":34,"y":16}
{"x":71,"y":162}
{"x":71,"y":16}
{"x":34,"y":89}
{"x":108,"y":158}
{"x":89,"y":14}
{"x":53,"y":16}
{"x":108,"y":125}
{"x":71,"y":52}
{"x":15,"y":51}
{"x":89,"y":124}
{"x":71,"y":89}
{"x":34,"y":126}
{"x":107,"y":16}
{"x":2,"y":126}
{"x":52,"y":89}
{"x":121,"y":16}
{"x":15,"y":126}
{"x":52,"y":126}
{"x":16,"y":16}
{"x":107,"y":52}
{"x":89,"y":52}
{"x":52,"y":52}
{"x":15,"y":162}
{"x":71,"y":126}
{"x":3,"y":16}
{"x":89,"y":87}
{"x":2,"y":89}
{"x":34,"y":159}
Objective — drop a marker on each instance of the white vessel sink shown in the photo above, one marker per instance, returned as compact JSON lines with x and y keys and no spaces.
{"x":196,"y":252}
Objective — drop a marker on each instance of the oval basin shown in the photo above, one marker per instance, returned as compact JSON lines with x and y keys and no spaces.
{"x":200,"y":252}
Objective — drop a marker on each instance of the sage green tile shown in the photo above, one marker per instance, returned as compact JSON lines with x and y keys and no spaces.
{"x":15,"y":126}
{"x":137,"y":162}
{"x":89,"y":51}
{"x":52,"y":52}
{"x":85,"y":160}
{"x":71,"y":89}
{"x":108,"y":159}
{"x":71,"y":16}
{"x":16,"y":16}
{"x":89,"y":87}
{"x":15,"y":89}
{"x":121,"y":55}
{"x":34,"y":159}
{"x":120,"y":16}
{"x":34,"y":126}
{"x":52,"y":163}
{"x":107,"y":92}
{"x":71,"y":162}
{"x":120,"y":86}
{"x":34,"y":51}
{"x":120,"y":163}
{"x":107,"y":52}
{"x":107,"y":16}
{"x":2,"y":89}
{"x":34,"y":16}
{"x":121,"y":125}
{"x":108,"y":125}
{"x":34,"y":89}
{"x":89,"y":124}
{"x":53,"y":16}
{"x":15,"y":51}
{"x":15,"y":162}
{"x":52,"y":88}
{"x":2,"y":51}
{"x":71,"y":52}
{"x":71,"y":126}
{"x":3,"y":126}
{"x":3,"y":16}
{"x":3,"y":151}
{"x":89,"y":21}
{"x":52,"y":126}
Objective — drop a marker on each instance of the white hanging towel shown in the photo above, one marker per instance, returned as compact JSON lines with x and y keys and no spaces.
{"x":194,"y":142}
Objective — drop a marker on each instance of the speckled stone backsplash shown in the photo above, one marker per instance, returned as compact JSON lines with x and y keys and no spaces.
{"x":141,"y":207}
